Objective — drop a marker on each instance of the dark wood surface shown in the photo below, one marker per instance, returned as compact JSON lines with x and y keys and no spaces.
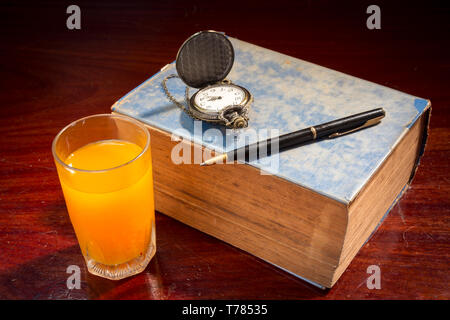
{"x":50,"y":76}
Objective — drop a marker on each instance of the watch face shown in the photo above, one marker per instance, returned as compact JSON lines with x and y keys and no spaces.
{"x":215,"y":98}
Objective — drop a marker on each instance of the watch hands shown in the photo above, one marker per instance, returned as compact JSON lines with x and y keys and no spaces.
{"x":214,"y":98}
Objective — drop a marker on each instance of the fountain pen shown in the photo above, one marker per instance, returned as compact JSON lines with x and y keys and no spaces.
{"x":332,"y":129}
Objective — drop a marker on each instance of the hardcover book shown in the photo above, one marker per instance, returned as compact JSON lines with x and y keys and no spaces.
{"x":307,"y":210}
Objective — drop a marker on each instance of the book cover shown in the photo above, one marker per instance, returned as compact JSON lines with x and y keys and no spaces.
{"x":290,"y":94}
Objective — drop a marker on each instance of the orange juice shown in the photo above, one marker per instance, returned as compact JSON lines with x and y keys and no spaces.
{"x":112,"y":211}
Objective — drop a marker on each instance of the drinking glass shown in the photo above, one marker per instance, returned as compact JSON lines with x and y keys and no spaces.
{"x":105,"y":169}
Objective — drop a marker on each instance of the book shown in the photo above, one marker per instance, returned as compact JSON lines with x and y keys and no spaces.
{"x":307,"y":210}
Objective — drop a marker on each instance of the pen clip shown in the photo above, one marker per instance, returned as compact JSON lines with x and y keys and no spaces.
{"x":368,"y":123}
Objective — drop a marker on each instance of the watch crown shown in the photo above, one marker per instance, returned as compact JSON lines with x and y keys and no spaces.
{"x":240,"y":122}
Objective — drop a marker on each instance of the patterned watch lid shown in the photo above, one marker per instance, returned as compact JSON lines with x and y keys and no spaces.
{"x":204,"y":58}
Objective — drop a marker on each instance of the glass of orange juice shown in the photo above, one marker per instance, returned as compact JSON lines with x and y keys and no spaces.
{"x":105,"y":168}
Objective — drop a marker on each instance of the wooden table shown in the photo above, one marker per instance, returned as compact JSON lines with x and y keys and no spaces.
{"x":51,"y":76}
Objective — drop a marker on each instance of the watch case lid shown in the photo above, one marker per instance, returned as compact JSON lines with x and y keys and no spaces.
{"x":204,"y":58}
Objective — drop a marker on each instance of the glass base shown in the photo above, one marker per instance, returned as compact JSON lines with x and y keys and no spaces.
{"x":123,"y":270}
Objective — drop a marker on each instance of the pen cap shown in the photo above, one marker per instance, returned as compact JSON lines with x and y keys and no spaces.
{"x":204,"y":58}
{"x":350,"y":124}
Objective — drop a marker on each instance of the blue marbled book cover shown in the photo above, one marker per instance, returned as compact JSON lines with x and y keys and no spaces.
{"x":291,"y":94}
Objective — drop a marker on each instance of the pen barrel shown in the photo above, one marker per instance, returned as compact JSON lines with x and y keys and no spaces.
{"x":347,"y":123}
{"x":267,"y":147}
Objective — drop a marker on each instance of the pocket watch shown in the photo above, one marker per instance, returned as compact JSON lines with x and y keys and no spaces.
{"x":203,"y":62}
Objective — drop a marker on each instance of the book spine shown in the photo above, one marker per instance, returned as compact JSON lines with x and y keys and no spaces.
{"x":427,"y":115}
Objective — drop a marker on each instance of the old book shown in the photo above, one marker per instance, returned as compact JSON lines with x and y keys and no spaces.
{"x":307,"y":210}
